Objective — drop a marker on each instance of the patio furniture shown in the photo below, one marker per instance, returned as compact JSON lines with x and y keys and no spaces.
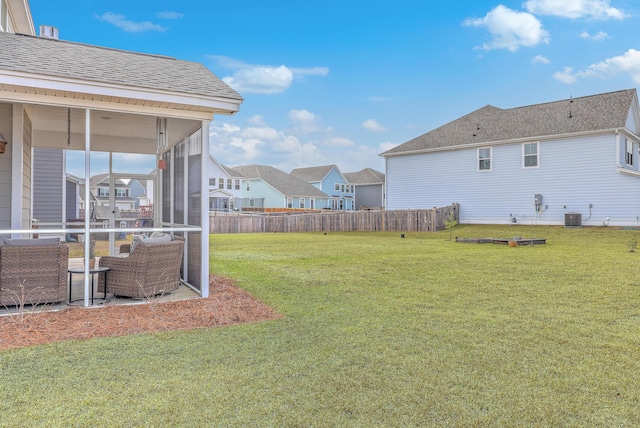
{"x":151,"y":268}
{"x":33,"y":271}
{"x":93,"y":272}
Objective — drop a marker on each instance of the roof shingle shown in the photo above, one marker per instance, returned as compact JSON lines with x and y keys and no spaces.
{"x":492,"y":124}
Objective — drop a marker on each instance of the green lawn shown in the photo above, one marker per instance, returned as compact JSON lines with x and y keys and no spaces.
{"x":378,"y":331}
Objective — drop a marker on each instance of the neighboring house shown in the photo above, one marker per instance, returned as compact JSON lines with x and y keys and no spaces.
{"x":124,"y":199}
{"x":570,"y":162}
{"x":72,"y":196}
{"x":369,"y":188}
{"x":225,"y":187}
{"x":331,"y":181}
{"x":63,"y":95}
{"x":277,"y":189}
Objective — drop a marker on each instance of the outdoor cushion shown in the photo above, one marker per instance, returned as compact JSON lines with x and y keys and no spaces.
{"x":164,"y":237}
{"x":30,"y":242}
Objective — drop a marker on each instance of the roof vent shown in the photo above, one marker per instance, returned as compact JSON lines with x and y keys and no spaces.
{"x":49,"y":32}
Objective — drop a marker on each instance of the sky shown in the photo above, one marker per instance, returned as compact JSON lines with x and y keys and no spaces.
{"x":340,"y":81}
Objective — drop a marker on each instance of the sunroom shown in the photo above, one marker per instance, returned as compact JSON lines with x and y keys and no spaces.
{"x":69,"y":96}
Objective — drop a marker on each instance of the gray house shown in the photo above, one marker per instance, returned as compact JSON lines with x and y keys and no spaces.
{"x":571,"y":162}
{"x":369,"y":188}
{"x":279,"y":190}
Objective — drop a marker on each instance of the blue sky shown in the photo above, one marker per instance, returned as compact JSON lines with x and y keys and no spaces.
{"x":339,"y":82}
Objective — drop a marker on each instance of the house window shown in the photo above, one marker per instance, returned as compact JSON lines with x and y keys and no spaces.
{"x":248,"y":186}
{"x":252,"y":202}
{"x":229,"y":184}
{"x":237,"y":187}
{"x":221,"y":183}
{"x":103,"y":191}
{"x":122,"y":193}
{"x":336,"y":187}
{"x":312,"y":203}
{"x":289,"y":202}
{"x":212,"y":182}
{"x":530,"y":155}
{"x":301,"y":202}
{"x":629,"y":152}
{"x":484,"y":159}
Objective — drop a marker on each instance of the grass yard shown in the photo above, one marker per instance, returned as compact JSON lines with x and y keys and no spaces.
{"x":378,"y":331}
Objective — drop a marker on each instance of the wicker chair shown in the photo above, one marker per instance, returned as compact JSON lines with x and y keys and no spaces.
{"x":151,"y":269}
{"x":33,"y":274}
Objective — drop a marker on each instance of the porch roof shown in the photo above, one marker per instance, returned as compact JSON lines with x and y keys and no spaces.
{"x":68,"y":73}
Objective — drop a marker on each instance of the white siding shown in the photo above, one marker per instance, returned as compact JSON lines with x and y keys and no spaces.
{"x":572,"y":174}
{"x":633,"y":120}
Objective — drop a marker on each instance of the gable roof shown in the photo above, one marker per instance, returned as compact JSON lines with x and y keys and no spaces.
{"x":490,"y":124}
{"x":286,"y":184}
{"x":313,"y":173}
{"x":44,"y":58}
{"x":365,"y":176}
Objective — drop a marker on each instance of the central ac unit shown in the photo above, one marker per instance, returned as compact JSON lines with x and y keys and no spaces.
{"x":572,"y":220}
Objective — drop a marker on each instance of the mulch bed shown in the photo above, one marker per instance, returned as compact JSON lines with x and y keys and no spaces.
{"x":227,"y":305}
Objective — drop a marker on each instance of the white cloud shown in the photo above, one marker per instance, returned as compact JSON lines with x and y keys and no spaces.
{"x":338,"y":142}
{"x":373,"y":126}
{"x":574,"y":9}
{"x":257,"y":120}
{"x":169,"y":15}
{"x":539,"y":59}
{"x":598,"y":37}
{"x":263,"y":79}
{"x":123,"y":23}
{"x":510,"y":29}
{"x":565,"y":76}
{"x":305,"y":122}
{"x":260,"y":79}
{"x":629,"y":63}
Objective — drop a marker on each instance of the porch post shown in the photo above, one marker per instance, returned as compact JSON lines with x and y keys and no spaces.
{"x":204,"y":211}
{"x":17,"y":169}
{"x":87,"y":205}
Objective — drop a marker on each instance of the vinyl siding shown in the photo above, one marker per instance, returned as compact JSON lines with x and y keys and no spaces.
{"x":572,"y":174}
{"x":72,"y":200}
{"x":368,"y":195}
{"x":632,"y":120}
{"x":48,"y":173}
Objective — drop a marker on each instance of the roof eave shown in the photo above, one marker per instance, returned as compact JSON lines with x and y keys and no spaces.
{"x":53,"y":86}
{"x":502,"y":142}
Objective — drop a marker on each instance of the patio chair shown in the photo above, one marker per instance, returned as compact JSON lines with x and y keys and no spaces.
{"x":151,"y":268}
{"x":33,"y":271}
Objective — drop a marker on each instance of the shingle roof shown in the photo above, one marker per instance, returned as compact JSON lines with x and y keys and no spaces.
{"x":284,"y":183}
{"x":59,"y":58}
{"x":313,"y":173}
{"x":365,"y":176}
{"x":492,"y":124}
{"x":231,"y":172}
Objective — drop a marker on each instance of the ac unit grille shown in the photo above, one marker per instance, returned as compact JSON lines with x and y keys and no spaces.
{"x":572,"y":220}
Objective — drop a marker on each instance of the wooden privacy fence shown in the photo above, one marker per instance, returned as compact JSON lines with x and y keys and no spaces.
{"x":429,"y":220}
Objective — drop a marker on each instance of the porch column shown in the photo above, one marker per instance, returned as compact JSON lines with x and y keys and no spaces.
{"x":17,"y":170}
{"x":87,"y":205}
{"x":204,"y":211}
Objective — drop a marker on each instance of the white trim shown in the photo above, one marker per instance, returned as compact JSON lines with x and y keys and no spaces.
{"x":537,"y":165}
{"x":503,"y":142}
{"x":66,"y":85}
{"x":17,"y":159}
{"x":204,"y":213}
{"x":490,"y":159}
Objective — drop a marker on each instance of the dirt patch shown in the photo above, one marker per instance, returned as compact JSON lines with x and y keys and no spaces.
{"x":227,"y":305}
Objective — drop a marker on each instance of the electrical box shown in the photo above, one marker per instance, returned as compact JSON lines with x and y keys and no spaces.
{"x":538,"y":201}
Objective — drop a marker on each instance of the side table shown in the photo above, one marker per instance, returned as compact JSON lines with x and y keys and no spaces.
{"x":92,"y":272}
